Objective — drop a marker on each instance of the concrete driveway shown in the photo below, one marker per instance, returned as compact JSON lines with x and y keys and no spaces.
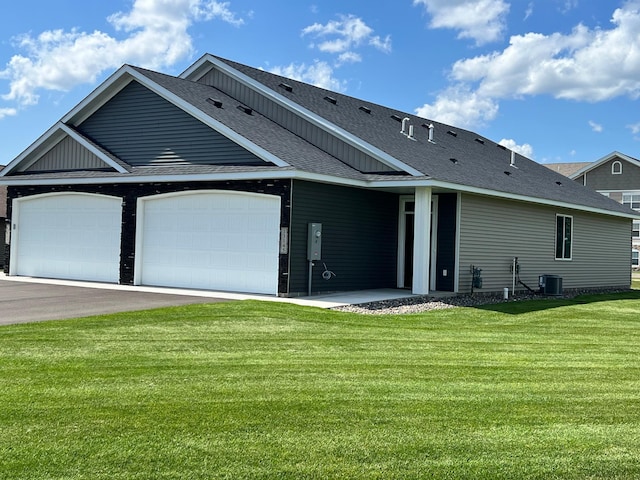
{"x":25,"y":301}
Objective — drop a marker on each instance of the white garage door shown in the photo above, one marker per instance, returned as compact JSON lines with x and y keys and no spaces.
{"x":70,"y":236}
{"x":212,"y":240}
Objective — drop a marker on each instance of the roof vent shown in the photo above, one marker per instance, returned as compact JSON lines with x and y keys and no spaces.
{"x":454,"y":161}
{"x":331,"y":100}
{"x":429,"y":127}
{"x":364,"y":109}
{"x":501,"y":146}
{"x":410,"y":135}
{"x":507,"y":173}
{"x":405,"y":122}
{"x":479,"y":140}
{"x":286,"y":86}
{"x":396,"y":117}
{"x":512,"y":162}
{"x":214,"y":102}
{"x":559,"y":184}
{"x":452,"y":133}
{"x":245,"y":109}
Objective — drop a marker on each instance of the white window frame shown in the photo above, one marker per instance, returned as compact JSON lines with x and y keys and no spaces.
{"x":635,"y":228}
{"x":563,"y":256}
{"x":618,"y":170}
{"x":631,"y":199}
{"x":635,"y":262}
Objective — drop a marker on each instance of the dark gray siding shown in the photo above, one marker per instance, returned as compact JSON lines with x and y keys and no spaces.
{"x":311,"y":133}
{"x":67,"y":155}
{"x":446,"y":242}
{"x":493,"y":231}
{"x":142,"y":128}
{"x":601,"y":178}
{"x":359,"y":241}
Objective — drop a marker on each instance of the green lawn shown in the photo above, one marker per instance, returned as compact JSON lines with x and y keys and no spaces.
{"x":544,"y":389}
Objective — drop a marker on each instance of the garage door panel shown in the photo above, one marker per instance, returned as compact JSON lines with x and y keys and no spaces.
{"x":68,"y":236}
{"x":210,"y":240}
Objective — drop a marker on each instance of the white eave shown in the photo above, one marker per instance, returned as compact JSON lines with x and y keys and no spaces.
{"x":199,"y":69}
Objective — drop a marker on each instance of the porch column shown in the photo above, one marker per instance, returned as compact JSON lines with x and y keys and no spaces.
{"x":421,"y":240}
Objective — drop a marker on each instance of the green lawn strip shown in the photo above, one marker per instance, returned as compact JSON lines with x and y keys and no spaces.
{"x":542,"y":389}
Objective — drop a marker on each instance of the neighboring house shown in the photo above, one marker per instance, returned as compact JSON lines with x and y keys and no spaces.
{"x":616,"y":176}
{"x":230,"y":178}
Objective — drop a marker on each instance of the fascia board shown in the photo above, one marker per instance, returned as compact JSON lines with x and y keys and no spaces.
{"x":315,"y":119}
{"x":292,"y":174}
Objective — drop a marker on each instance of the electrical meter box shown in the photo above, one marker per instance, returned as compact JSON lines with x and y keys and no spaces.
{"x":314,"y":242}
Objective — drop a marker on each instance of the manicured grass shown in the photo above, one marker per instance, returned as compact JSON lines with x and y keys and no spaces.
{"x":544,"y":389}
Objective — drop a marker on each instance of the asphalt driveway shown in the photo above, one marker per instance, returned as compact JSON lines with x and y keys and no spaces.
{"x":22,"y":302}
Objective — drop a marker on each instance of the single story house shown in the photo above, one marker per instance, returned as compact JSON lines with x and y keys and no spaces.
{"x":231,"y":178}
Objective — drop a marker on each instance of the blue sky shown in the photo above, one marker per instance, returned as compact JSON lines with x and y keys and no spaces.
{"x":556,"y":80}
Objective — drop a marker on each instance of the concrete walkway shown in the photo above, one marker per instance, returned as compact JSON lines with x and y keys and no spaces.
{"x":26,"y":299}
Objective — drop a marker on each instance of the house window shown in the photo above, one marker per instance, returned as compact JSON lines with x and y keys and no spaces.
{"x":616,"y":168}
{"x":635,"y":258}
{"x":564,"y":237}
{"x":635,"y":233}
{"x":631,"y":200}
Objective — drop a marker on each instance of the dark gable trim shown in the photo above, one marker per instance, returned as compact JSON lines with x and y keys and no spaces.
{"x":130,"y":194}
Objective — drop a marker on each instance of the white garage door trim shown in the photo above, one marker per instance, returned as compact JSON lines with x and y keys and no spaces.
{"x":209,"y":239}
{"x":66,"y":235}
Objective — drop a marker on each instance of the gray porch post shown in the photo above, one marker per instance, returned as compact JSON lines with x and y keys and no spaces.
{"x":421,"y":241}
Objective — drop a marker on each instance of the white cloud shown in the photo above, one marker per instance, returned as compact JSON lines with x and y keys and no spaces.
{"x":596,"y":127}
{"x":342,"y":36}
{"x":585,"y":65}
{"x":635,"y":128}
{"x":480,"y":20}
{"x":7,"y":112}
{"x":156,"y":35}
{"x":461,"y":107}
{"x":525,"y":149}
{"x":319,"y":74}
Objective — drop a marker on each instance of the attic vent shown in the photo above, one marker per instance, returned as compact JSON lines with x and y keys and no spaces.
{"x":454,"y":161}
{"x":214,"y":102}
{"x":507,"y":173}
{"x":559,"y":184}
{"x":364,"y":109}
{"x":245,"y":109}
{"x":331,"y":100}
{"x":286,"y":86}
{"x":501,"y":146}
{"x":452,"y":133}
{"x":396,"y":118}
{"x":479,"y":140}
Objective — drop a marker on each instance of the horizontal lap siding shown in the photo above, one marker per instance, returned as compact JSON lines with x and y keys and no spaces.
{"x":359,"y":237}
{"x":142,"y":128}
{"x":67,"y":155}
{"x":494,"y":231}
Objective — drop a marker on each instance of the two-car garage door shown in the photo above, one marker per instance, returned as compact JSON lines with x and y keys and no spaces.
{"x":215,"y":240}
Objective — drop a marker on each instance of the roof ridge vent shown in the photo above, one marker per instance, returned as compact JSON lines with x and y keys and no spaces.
{"x":331,"y":100}
{"x":215,"y":102}
{"x":245,"y":109}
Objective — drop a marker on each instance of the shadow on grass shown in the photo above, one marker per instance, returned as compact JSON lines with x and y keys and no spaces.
{"x":527,"y":306}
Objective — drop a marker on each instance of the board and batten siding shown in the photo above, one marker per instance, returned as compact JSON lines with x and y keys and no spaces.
{"x":66,"y":155}
{"x":143,"y":129}
{"x":494,"y":231}
{"x":301,"y":127}
{"x":359,"y":237}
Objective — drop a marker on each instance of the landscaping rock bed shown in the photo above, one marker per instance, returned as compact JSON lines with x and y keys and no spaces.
{"x":425,"y":303}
